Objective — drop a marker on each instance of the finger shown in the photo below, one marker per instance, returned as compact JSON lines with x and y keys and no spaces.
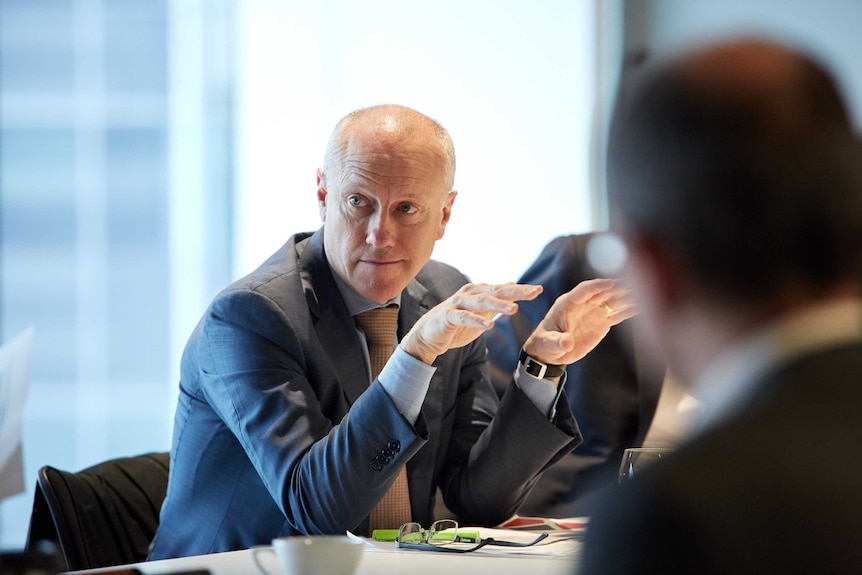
{"x":626,"y":313}
{"x":484,"y":305}
{"x":489,"y":301}
{"x":509,"y":291}
{"x":620,"y":305}
{"x":589,"y":289}
{"x":468,"y":319}
{"x":615,"y":302}
{"x":623,"y":313}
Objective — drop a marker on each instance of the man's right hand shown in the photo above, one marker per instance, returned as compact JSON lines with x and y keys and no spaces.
{"x":463,"y":317}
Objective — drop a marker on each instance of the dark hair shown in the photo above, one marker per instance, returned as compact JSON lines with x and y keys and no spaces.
{"x":754,"y":183}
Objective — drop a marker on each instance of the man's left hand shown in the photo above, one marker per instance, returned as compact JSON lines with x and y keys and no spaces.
{"x":578,"y":321}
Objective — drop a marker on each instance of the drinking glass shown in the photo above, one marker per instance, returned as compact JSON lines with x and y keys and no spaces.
{"x":636,"y":459}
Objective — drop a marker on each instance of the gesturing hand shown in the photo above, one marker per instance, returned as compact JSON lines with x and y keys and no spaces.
{"x":578,"y":321}
{"x":463,"y":317}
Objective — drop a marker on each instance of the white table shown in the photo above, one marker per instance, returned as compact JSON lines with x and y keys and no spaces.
{"x":400,"y":562}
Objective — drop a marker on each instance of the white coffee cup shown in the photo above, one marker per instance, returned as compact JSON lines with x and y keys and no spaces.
{"x":305,"y":555}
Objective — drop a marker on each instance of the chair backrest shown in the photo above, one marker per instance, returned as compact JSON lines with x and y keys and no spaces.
{"x":101,"y":516}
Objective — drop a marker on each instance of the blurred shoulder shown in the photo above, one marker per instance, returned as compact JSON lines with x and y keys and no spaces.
{"x":570,"y":250}
{"x":442,"y":278}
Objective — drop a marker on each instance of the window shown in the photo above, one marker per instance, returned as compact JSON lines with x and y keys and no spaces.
{"x":115,"y":179}
{"x":151,"y":152}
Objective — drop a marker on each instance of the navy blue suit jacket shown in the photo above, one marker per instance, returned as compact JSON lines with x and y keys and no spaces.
{"x":772,"y":489}
{"x":277,"y":431}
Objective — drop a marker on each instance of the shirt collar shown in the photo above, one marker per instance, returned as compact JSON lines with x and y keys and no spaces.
{"x":357,"y":304}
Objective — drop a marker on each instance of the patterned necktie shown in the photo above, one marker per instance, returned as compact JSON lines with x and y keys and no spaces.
{"x":380,"y":326}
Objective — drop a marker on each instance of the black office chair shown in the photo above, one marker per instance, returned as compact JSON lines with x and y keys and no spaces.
{"x":101,"y":516}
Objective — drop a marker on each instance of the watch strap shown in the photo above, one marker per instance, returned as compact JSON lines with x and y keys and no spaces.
{"x":538,"y":369}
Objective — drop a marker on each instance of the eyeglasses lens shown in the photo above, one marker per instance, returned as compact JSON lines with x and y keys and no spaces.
{"x":442,"y":532}
{"x":411,"y":533}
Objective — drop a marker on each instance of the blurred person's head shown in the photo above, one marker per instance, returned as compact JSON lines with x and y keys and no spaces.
{"x":385,"y":196}
{"x":733,"y":176}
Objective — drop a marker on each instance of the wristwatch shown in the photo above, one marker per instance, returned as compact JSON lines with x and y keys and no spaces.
{"x":538,"y":369}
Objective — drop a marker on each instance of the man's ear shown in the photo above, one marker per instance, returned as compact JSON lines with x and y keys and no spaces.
{"x":447,"y":212}
{"x":656,"y":270}
{"x":321,"y":194}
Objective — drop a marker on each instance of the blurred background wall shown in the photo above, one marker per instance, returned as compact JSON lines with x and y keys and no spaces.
{"x":151,"y":152}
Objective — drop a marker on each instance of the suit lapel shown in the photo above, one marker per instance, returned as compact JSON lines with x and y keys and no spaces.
{"x":413,"y":306}
{"x":333,"y":325}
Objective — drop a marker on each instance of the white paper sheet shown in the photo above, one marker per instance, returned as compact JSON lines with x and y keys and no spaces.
{"x":14,"y":383}
{"x":559,"y":543}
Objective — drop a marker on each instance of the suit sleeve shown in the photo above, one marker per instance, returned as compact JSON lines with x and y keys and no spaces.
{"x":320,"y":472}
{"x":508,"y":457}
{"x":496,"y":454}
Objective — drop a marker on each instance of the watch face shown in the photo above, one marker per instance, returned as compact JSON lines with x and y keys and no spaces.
{"x":534,"y":368}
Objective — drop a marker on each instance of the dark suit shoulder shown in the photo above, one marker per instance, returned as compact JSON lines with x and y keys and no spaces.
{"x":285,"y":261}
{"x":275,"y":286}
{"x":561,"y":265}
{"x":764,"y":482}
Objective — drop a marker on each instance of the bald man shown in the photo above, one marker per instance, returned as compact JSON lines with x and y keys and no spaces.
{"x":283,"y":424}
{"x":734,"y":180}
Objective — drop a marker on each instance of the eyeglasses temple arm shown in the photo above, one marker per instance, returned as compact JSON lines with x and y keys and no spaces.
{"x":492,"y":541}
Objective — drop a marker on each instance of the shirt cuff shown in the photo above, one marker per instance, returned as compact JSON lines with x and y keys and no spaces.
{"x":542,"y":392}
{"x":406,"y":380}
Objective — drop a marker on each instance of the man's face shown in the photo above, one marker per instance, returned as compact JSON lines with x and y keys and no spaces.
{"x":383,"y":207}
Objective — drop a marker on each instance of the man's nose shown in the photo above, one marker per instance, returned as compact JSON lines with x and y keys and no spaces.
{"x":381,"y":231}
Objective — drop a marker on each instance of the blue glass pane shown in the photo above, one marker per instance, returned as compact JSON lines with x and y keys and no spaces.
{"x":43,"y":437}
{"x":38,"y":226}
{"x":37,"y":173}
{"x":38,"y":289}
{"x":36,"y":46}
{"x":138,"y":308}
{"x":135,"y":46}
{"x":137,"y":180}
{"x":138,"y":264}
{"x":37,"y":164}
{"x":139,"y":435}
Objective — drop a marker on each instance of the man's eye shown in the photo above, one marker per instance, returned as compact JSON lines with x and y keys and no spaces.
{"x":356,"y":201}
{"x":407,"y":208}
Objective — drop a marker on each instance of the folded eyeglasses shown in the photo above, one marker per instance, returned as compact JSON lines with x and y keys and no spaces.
{"x":443,"y":535}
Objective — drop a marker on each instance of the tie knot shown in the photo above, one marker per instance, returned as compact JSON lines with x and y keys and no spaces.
{"x":380,"y":325}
